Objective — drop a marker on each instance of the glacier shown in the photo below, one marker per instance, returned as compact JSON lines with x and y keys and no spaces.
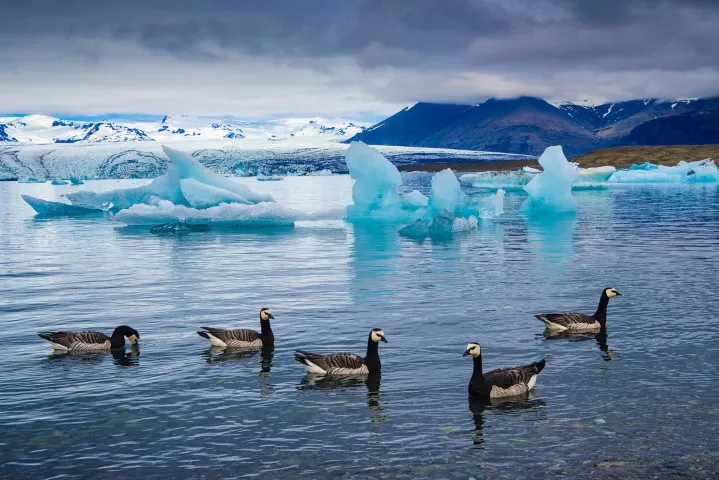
{"x":551,"y":190}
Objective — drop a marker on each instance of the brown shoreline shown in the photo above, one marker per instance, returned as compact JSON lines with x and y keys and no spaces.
{"x":620,"y":157}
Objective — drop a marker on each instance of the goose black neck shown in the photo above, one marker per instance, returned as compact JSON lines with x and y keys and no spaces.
{"x":601,"y":313}
{"x":477,"y":372}
{"x":372,"y":358}
{"x":117,"y":340}
{"x":268,"y":338}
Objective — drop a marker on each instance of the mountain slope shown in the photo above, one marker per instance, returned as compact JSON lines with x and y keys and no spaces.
{"x":527,"y":125}
{"x":524,"y":125}
{"x":694,"y":123}
{"x":411,"y":125}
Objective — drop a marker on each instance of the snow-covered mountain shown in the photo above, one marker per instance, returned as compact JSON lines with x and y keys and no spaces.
{"x":183,"y":127}
{"x":42,"y":129}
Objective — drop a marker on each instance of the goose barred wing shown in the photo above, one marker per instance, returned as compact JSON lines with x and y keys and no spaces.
{"x":509,"y":377}
{"x":335,"y":361}
{"x":72,"y":339}
{"x":243,"y":335}
{"x":566,"y":318}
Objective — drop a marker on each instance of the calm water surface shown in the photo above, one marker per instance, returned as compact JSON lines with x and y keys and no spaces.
{"x":643,"y":399}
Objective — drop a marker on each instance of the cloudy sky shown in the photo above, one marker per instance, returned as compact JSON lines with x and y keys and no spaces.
{"x":358,"y":59}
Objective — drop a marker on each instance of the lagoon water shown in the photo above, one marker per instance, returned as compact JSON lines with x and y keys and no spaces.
{"x":641,"y":402}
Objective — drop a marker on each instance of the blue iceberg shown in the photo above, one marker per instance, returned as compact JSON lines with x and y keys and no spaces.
{"x":375,"y":197}
{"x":551,"y":190}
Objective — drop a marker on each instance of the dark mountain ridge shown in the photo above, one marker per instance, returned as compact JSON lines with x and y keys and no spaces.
{"x":528,"y":125}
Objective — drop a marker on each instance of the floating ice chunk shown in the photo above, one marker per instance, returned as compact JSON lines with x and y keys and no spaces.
{"x":595,"y":174}
{"x":201,"y":195}
{"x":265,"y":214}
{"x":683,"y":172}
{"x":415,"y":199}
{"x":170,"y":187}
{"x":32,"y":180}
{"x":47,"y":208}
{"x":493,"y":206}
{"x":644,"y":166}
{"x":441,"y":225}
{"x":269,"y":179}
{"x":447,"y":195}
{"x":497,"y":180}
{"x":376,"y":181}
{"x":551,"y":190}
{"x":59,"y":181}
{"x":320,"y":173}
{"x":707,"y":172}
{"x":528,"y":169}
{"x":76,"y":180}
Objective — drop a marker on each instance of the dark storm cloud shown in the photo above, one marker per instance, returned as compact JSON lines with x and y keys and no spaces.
{"x":525,"y":41}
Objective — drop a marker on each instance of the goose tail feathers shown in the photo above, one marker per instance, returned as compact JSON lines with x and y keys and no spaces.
{"x":204,"y":335}
{"x":539,"y":366}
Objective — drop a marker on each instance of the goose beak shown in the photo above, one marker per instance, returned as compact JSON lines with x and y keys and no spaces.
{"x":618,"y":294}
{"x":272,"y":317}
{"x":466,"y":352}
{"x":133,"y":339}
{"x":383,"y":339}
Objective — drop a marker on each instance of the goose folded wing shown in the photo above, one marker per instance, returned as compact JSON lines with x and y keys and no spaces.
{"x":334,"y":361}
{"x":567,"y":318}
{"x":239,"y":335}
{"x":509,"y":377}
{"x":89,"y":337}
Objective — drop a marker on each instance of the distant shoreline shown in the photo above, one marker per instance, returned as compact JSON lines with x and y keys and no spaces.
{"x":620,"y":157}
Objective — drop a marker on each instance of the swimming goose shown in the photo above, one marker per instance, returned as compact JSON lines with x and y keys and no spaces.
{"x":503,"y":382}
{"x":242,"y":337}
{"x":580,"y":322}
{"x":345,"y":363}
{"x":89,"y":341}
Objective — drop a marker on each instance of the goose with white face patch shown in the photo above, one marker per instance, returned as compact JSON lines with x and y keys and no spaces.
{"x":242,"y":337}
{"x":340,"y":364}
{"x":579,"y":322}
{"x":503,"y":382}
{"x":90,"y":341}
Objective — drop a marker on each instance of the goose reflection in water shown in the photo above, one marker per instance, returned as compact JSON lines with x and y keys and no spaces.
{"x":372,"y":381}
{"x":502,"y":405}
{"x":220,"y":354}
{"x":600,"y":337}
{"x":120,"y":357}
